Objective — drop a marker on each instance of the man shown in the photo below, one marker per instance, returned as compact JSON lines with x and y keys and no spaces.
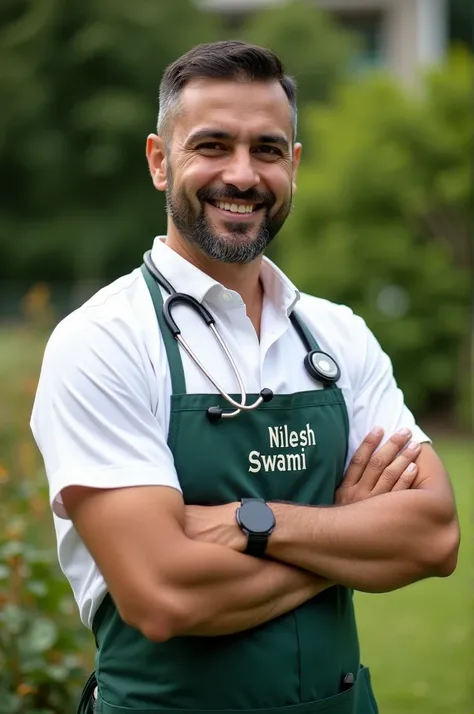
{"x":199,"y":600}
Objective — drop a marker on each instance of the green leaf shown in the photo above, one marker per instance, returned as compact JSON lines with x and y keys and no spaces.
{"x":37,"y":587}
{"x":13,"y":618}
{"x":12,"y":549}
{"x":10,"y":703}
{"x":58,"y":672}
{"x":42,"y":635}
{"x":4,"y":572}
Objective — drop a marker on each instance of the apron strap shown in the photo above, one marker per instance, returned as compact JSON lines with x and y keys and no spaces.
{"x":178,"y":380}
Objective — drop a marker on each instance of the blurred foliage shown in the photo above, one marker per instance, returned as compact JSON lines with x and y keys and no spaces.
{"x":79,"y":90}
{"x":315,"y":50}
{"x":44,"y":650}
{"x":383,"y":219}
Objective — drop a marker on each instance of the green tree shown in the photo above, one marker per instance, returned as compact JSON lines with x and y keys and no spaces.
{"x":78,"y":91}
{"x":382,"y":221}
{"x":315,"y":50}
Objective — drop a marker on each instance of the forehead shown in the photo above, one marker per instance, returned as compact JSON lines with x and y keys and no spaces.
{"x":242,"y":108}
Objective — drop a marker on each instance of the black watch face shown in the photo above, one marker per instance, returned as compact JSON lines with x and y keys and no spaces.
{"x":257,"y":517}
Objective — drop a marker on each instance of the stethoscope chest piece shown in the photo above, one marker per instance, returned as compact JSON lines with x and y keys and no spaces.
{"x":322,"y":367}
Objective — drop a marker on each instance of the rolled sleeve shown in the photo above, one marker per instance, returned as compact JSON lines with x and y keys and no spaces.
{"x":92,"y":418}
{"x":378,"y":401}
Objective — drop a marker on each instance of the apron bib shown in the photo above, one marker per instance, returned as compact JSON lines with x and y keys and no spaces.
{"x":292,"y":448}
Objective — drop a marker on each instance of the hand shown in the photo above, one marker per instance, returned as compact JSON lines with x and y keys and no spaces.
{"x":215,"y":524}
{"x":392,"y":468}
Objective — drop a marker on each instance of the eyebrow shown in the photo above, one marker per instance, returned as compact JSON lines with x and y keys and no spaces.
{"x":218,"y":134}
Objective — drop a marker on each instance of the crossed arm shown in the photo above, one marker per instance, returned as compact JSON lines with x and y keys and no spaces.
{"x":378,"y":544}
{"x":178,"y":586}
{"x":390,"y":526}
{"x":196,"y":582}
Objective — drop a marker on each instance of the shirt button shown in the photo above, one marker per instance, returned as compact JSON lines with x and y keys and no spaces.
{"x":227,"y":297}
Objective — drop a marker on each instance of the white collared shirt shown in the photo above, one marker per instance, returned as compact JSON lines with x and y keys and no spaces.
{"x":101,"y":412}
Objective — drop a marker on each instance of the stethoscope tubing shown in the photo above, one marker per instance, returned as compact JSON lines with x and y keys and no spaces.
{"x":319,"y":365}
{"x":176,"y":298}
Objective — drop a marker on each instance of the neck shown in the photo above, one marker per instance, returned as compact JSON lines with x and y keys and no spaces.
{"x":242,"y":279}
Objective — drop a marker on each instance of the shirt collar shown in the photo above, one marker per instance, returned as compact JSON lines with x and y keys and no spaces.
{"x":278,"y":288}
{"x":185,"y":277}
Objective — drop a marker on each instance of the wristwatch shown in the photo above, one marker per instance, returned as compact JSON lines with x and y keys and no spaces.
{"x":257,"y":521}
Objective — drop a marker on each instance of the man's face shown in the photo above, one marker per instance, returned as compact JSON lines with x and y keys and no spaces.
{"x":230,"y":167}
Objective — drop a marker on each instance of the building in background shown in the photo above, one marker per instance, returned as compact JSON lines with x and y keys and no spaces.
{"x":401,"y":35}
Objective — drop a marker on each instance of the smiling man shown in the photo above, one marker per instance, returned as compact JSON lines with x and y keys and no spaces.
{"x":203,"y":200}
{"x":217,"y":497}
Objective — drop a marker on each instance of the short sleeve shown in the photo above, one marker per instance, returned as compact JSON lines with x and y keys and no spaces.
{"x":92,"y":418}
{"x":377,"y":399}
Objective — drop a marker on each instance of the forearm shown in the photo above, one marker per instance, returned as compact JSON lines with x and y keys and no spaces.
{"x":235,"y":592}
{"x":376,"y":545}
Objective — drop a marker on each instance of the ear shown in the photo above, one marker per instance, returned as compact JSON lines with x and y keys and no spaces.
{"x":296,"y":162}
{"x":157,"y":161}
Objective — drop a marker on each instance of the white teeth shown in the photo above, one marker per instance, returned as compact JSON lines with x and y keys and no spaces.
{"x":233,"y":207}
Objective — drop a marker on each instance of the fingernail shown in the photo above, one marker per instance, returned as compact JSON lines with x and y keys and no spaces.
{"x":404,"y":432}
{"x":413,"y":445}
{"x":377,"y":431}
{"x":411,"y":468}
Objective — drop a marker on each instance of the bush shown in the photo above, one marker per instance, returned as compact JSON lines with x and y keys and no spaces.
{"x":45,"y":652}
{"x":314,"y":49}
{"x":382,"y":221}
{"x":87,"y":75}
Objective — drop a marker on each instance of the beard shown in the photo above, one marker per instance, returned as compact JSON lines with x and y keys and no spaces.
{"x":235,"y":244}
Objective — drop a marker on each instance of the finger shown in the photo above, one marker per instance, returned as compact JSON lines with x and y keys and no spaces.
{"x":392,"y":474}
{"x":407,"y":478}
{"x":361,"y":457}
{"x":384,"y":457}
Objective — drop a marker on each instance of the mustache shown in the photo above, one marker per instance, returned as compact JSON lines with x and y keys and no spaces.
{"x":231,"y":192}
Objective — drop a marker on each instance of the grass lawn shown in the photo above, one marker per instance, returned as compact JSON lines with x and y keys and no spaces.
{"x":419,"y":642}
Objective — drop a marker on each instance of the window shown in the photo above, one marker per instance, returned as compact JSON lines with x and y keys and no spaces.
{"x":368,"y":29}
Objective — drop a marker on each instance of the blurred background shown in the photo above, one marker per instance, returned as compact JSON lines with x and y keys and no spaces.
{"x":383,"y":222}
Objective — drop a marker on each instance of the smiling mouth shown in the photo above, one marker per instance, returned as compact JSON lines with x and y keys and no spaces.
{"x":235,"y":208}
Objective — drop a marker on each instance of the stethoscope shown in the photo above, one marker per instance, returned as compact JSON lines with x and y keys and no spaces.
{"x":319,"y":365}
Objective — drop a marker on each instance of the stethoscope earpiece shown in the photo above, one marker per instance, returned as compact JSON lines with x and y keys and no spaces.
{"x":266,"y":394}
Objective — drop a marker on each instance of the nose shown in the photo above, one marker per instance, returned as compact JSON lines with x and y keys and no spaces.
{"x":240,"y":171}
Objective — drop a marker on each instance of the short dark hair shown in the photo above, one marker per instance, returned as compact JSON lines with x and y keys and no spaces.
{"x":228,"y":59}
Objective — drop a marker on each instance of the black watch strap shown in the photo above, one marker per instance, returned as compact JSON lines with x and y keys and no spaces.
{"x":256,"y":542}
{"x":256,"y":545}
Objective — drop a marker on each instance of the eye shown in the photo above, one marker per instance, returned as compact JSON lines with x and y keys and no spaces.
{"x":210,"y":147}
{"x":267,"y":150}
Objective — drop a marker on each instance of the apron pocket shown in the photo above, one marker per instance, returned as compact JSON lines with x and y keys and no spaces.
{"x":359,"y":699}
{"x":365,"y":699}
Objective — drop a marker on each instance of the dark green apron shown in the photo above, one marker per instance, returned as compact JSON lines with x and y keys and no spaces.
{"x":290,"y":449}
